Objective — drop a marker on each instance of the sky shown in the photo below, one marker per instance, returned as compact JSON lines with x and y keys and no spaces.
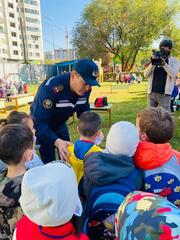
{"x":57,"y":15}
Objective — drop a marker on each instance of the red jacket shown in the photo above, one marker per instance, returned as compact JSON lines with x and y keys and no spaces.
{"x":161,"y":168}
{"x":149,"y":155}
{"x":27,"y":230}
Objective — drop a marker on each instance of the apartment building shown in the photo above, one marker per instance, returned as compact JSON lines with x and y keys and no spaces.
{"x":62,"y":54}
{"x":20,"y":31}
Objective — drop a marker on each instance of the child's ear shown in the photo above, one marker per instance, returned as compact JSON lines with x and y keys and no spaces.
{"x":28,"y":155}
{"x":143,"y":137}
{"x":98,"y":133}
{"x":77,"y":129}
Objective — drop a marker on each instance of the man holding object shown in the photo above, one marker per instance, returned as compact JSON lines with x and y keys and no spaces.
{"x":161,"y":74}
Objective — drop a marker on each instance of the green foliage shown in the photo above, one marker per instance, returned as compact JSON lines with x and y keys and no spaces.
{"x":122,"y":27}
{"x":173,"y":32}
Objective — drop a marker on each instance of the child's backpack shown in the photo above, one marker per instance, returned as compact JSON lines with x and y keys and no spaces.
{"x":101,"y":102}
{"x":102,"y":203}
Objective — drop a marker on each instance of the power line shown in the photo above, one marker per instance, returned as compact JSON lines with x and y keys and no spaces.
{"x":52,"y":23}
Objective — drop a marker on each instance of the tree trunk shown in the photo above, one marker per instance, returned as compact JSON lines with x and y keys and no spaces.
{"x":122,"y":62}
{"x":134,"y":59}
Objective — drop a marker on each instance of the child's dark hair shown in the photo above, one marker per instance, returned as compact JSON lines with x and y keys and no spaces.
{"x":15,"y":117}
{"x":15,"y":139}
{"x":89,"y":124}
{"x":157,"y":123}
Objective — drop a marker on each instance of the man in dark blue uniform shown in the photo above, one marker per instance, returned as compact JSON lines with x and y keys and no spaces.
{"x":56,"y":100}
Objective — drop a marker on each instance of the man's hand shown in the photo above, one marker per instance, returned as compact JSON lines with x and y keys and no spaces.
{"x":62,"y":148}
{"x":163,"y":61}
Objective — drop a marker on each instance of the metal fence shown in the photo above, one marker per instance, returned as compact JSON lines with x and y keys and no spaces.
{"x":29,"y":73}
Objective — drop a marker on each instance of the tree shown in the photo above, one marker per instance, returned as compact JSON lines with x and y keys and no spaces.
{"x":87,"y":45}
{"x":121,"y":27}
{"x":173,"y":32}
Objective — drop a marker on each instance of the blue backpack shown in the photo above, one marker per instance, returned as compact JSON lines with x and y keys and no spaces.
{"x":102,"y":202}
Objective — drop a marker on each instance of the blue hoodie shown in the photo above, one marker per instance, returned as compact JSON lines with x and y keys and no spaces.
{"x":104,"y":169}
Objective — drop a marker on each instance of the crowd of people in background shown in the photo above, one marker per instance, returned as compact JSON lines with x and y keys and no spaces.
{"x":9,"y":88}
{"x":129,"y":78}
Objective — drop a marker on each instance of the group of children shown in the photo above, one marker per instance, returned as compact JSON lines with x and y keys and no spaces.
{"x":128,"y":78}
{"x":9,"y":88}
{"x":129,"y":190}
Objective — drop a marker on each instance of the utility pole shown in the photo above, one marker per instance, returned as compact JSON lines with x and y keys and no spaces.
{"x":53,"y":44}
{"x":23,"y":42}
{"x":67,"y":44}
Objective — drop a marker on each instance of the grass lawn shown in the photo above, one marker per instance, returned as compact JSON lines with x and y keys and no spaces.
{"x":125,"y":105}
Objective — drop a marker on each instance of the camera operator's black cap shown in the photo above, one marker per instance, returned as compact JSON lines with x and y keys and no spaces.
{"x":166,"y":43}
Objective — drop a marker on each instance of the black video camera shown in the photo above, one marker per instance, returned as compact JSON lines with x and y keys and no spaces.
{"x":157,"y":57}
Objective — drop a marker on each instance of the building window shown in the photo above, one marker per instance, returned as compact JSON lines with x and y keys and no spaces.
{"x":36,"y":46}
{"x":28,"y":10}
{"x":13,"y":34}
{"x":30,"y":2}
{"x":37,"y":54}
{"x":4,"y":51}
{"x":10,"y":5}
{"x":32,"y":20}
{"x":33,"y":37}
{"x":15,"y":52}
{"x":12,"y":24}
{"x":14,"y":43}
{"x":32,"y":29}
{"x":1,"y":29}
{"x":11,"y":15}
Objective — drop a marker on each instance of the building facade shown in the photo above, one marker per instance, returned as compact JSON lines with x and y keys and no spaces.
{"x":64,"y":54}
{"x":21,"y":31}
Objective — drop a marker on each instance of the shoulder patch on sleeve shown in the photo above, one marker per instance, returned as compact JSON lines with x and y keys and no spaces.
{"x":47,"y":103}
{"x":58,"y":89}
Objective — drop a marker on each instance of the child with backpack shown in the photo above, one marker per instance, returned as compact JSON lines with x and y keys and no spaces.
{"x":16,"y":148}
{"x":89,"y":129}
{"x":109,"y":176}
{"x":145,"y":215}
{"x":155,"y":156}
{"x":50,"y":203}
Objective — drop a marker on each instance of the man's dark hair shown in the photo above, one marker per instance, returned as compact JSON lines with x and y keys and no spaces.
{"x":15,"y":139}
{"x":157,"y":123}
{"x":89,"y":124}
{"x":166,"y":43}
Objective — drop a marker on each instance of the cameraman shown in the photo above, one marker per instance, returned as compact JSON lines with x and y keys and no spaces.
{"x":162,"y":77}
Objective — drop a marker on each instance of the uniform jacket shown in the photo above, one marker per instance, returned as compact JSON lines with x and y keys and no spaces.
{"x":171,"y":68}
{"x":104,"y":169}
{"x":10,"y":211}
{"x":161,"y":165}
{"x":53,"y":105}
{"x":27,"y":230}
{"x":78,"y":151}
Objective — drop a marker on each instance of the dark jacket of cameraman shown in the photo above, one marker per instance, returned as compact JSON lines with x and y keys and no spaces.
{"x":171,"y":68}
